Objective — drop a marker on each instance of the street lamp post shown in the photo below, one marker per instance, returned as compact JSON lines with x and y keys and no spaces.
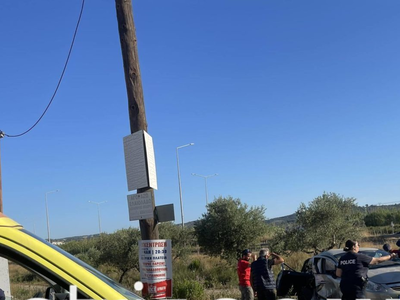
{"x":205,"y":180}
{"x":98,"y":212}
{"x":179,"y":179}
{"x":47,"y":215}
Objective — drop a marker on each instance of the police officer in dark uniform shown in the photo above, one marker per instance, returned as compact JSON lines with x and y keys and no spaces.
{"x":353,"y":268}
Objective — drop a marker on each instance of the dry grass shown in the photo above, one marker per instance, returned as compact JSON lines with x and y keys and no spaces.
{"x":295,"y":260}
{"x":22,"y":289}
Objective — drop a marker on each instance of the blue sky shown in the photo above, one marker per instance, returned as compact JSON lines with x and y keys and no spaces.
{"x":283,"y":99}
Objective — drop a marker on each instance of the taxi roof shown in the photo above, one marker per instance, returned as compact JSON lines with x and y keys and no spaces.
{"x":7,"y":222}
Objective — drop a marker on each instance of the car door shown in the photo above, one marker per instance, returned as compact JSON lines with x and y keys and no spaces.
{"x":324,"y":269}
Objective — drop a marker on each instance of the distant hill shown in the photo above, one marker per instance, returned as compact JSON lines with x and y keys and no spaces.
{"x":282,"y":220}
{"x":74,"y":238}
{"x":370,"y":208}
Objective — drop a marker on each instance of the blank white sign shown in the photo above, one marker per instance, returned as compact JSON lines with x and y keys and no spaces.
{"x":140,"y":162}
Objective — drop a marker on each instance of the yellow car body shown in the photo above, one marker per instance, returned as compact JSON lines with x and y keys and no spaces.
{"x":59,"y":268}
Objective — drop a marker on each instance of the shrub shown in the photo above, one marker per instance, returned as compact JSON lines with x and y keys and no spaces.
{"x":25,"y":277}
{"x":194,"y":265}
{"x":188,"y":289}
{"x":181,"y":272}
{"x":221,"y":276}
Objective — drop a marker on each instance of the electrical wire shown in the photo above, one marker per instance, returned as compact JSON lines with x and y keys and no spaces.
{"x":59,"y":81}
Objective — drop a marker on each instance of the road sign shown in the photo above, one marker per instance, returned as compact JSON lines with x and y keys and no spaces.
{"x":140,"y":162}
{"x":140,"y":206}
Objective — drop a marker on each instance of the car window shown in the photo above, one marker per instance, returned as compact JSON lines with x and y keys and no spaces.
{"x":46,"y":277}
{"x":323,"y":265}
{"x":317,"y":265}
{"x":375,"y":253}
{"x":330,"y":266}
{"x":307,"y":266}
{"x":25,"y":284}
{"x":122,"y":290}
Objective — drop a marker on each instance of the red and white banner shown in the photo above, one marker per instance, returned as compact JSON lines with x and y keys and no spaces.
{"x":155,"y":261}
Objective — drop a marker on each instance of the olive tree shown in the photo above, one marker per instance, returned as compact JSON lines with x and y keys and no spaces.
{"x":326,"y":223}
{"x":182,"y":239}
{"x":228,"y":226}
{"x":86,"y":250}
{"x":121,"y":250}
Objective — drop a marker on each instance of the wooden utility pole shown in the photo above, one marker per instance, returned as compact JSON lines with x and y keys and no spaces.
{"x":137,"y":114}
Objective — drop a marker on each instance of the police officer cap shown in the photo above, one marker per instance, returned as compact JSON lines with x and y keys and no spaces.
{"x":246,"y":251}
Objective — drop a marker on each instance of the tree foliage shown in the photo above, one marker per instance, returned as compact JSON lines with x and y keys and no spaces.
{"x":121,"y":250}
{"x":228,"y":226}
{"x":327,"y":222}
{"x":182,"y":239}
{"x":86,"y":250}
{"x":382,"y":217}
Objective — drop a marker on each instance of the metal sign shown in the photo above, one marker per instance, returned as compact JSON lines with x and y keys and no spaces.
{"x":165,"y":213}
{"x":140,"y":162}
{"x":140,"y":206}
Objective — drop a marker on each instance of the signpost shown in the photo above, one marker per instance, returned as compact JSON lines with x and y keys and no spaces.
{"x":140,"y":206}
{"x":155,"y":254}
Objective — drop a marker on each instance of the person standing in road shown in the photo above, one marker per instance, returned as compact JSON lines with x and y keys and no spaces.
{"x":243,"y":271}
{"x":262,"y":276}
{"x":353,"y":268}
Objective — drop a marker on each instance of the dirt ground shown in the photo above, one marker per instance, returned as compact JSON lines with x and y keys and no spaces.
{"x":382,"y":239}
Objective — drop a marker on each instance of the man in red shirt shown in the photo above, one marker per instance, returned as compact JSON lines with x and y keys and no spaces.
{"x":243,"y":270}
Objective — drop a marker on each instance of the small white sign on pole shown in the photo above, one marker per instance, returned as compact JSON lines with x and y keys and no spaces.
{"x":140,"y":206}
{"x":140,"y":162}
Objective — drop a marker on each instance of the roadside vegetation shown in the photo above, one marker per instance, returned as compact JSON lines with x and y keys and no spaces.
{"x":204,"y":257}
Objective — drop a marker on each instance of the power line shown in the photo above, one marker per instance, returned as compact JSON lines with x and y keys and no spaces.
{"x":59,"y":81}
